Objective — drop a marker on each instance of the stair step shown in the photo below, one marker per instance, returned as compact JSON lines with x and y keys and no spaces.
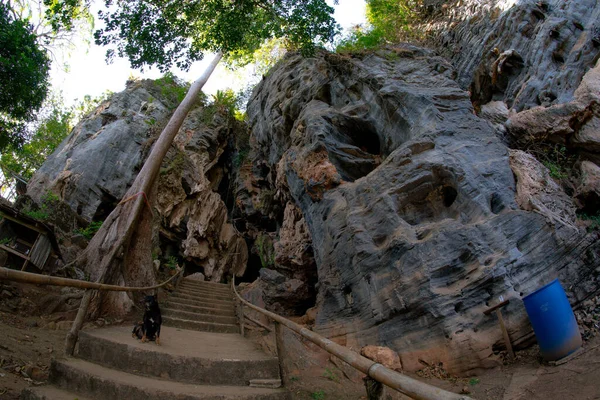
{"x":200,"y":326}
{"x":208,"y":309}
{"x":202,"y":302}
{"x":185,"y":356}
{"x":203,"y":292}
{"x":194,"y":316}
{"x":206,"y":284}
{"x":266,"y":383}
{"x":204,"y":288}
{"x":103,"y":383}
{"x":49,"y":393}
{"x":202,"y":296}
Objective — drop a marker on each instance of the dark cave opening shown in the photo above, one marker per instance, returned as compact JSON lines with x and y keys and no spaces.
{"x":449,"y":195}
{"x":355,"y":149}
{"x":107,"y":204}
{"x":362,"y":134}
{"x":252,"y":268}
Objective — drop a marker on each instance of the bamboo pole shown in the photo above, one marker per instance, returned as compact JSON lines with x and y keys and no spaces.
{"x":73,"y":335}
{"x":395,"y":380}
{"x":37,"y":279}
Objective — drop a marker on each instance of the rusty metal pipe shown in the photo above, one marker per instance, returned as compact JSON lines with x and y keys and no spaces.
{"x":404,"y":384}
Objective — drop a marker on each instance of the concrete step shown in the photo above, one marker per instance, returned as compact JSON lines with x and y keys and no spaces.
{"x":224,"y":311}
{"x":49,"y":393}
{"x":99,"y":382}
{"x":200,"y":326}
{"x":203,"y":292}
{"x":184,"y":356}
{"x":200,"y":302}
{"x":203,"y":296}
{"x":194,"y":316}
{"x":205,"y":284}
{"x":205,"y":288}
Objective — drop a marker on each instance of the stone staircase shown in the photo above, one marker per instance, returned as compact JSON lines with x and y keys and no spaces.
{"x":202,"y":356}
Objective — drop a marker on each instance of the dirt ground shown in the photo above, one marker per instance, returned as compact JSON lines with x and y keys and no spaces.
{"x":525,"y":378}
{"x":28,"y":343}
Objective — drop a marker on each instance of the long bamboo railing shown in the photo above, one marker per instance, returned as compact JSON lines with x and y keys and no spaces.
{"x":73,"y":335}
{"x":395,"y":380}
{"x":37,"y":279}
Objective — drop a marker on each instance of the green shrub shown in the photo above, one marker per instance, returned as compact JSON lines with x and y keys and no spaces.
{"x":172,"y":89}
{"x":473,"y":381}
{"x":42,"y":213}
{"x":225,"y":100}
{"x":594,"y":221}
{"x":172,"y":262}
{"x":266,"y":251}
{"x":319,"y":395}
{"x":329,"y":374}
{"x":90,"y":230}
{"x":556,"y":171}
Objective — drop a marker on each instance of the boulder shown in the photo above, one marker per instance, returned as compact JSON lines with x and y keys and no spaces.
{"x":383,"y":355}
{"x":588,"y":189}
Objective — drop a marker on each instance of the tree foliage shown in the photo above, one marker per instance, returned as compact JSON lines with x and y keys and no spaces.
{"x":24,"y":69}
{"x":389,"y":21}
{"x":163,"y":33}
{"x":54,"y":123}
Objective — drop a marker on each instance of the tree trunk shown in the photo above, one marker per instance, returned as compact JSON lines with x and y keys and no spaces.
{"x":109,"y":257}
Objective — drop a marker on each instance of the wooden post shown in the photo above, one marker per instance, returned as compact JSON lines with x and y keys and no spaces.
{"x":37,"y":238}
{"x":497,"y":308}
{"x":280,"y":347}
{"x":73,"y":334}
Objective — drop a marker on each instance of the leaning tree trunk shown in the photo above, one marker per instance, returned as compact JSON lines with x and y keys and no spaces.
{"x":117,"y":252}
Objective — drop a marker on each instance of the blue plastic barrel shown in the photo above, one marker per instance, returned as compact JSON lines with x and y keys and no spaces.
{"x":553,"y":321}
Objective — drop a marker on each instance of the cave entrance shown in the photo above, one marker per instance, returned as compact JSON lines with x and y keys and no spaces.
{"x":107,"y":204}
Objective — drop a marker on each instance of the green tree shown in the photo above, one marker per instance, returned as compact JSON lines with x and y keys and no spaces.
{"x":389,"y":21}
{"x":53,"y":126}
{"x":56,"y":23}
{"x":163,"y":33}
{"x":54,"y":122}
{"x":24,"y":69}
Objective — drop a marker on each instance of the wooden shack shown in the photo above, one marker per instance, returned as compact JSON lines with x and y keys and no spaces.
{"x":26,"y":240}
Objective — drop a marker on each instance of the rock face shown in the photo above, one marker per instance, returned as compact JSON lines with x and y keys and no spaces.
{"x":525,"y":53}
{"x":409,"y":199}
{"x":95,"y":165}
{"x":575,"y":124}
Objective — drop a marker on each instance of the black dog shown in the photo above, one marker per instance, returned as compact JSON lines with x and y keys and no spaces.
{"x":150,"y":328}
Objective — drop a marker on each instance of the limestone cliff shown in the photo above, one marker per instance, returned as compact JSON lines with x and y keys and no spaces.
{"x":416,"y":219}
{"x":93,"y":167}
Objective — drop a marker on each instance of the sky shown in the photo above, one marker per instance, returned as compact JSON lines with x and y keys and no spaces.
{"x":88,"y":73}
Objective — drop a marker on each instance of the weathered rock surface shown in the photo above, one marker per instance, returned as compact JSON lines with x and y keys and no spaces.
{"x":575,"y":123}
{"x":537,"y":191}
{"x":409,"y":200}
{"x":588,"y":190}
{"x":526,"y":53}
{"x":95,"y":165}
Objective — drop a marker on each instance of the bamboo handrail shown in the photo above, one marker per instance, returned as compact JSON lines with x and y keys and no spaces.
{"x":395,"y":380}
{"x":37,"y":279}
